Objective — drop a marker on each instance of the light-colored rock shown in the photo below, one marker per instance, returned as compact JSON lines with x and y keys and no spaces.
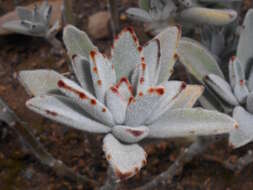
{"x":99,"y":25}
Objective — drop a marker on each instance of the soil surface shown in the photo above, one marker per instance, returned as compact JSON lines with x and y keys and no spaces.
{"x":19,"y":169}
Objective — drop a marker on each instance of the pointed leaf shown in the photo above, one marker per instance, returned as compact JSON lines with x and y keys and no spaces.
{"x":140,"y":108}
{"x":103,"y":74}
{"x":188,"y":97}
{"x":63,"y":110}
{"x":244,"y":134}
{"x":168,"y":40}
{"x":222,"y":88}
{"x":124,"y":45}
{"x":130,"y":134}
{"x":152,"y":55}
{"x":81,"y":67}
{"x":125,"y":160}
{"x":142,"y":78}
{"x":244,"y":48}
{"x":201,"y":15}
{"x":197,"y":59}
{"x":236,"y":73}
{"x":77,"y":42}
{"x":39,"y":82}
{"x":125,"y":88}
{"x":86,"y":100}
{"x":117,"y":104}
{"x":191,"y":122}
{"x":172,"y":89}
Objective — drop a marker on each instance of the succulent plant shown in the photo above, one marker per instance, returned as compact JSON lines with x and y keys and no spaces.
{"x":35,"y":23}
{"x":103,"y":100}
{"x":158,"y":14}
{"x":221,"y":41}
{"x":236,"y":94}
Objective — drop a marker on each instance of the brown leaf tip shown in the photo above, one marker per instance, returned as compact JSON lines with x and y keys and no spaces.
{"x":183,"y":86}
{"x":123,"y":176}
{"x":242,"y":82}
{"x":93,"y":54}
{"x":131,"y":100}
{"x":93,"y":101}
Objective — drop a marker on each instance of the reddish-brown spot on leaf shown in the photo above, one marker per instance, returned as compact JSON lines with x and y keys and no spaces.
{"x":140,"y":94}
{"x":233,"y":58}
{"x":160,"y":91}
{"x":108,"y":157}
{"x":95,"y":70}
{"x":74,"y":56}
{"x":175,"y":56}
{"x":103,"y":110}
{"x":183,"y":86}
{"x":114,"y":90}
{"x":236,"y":126}
{"x":125,"y":80}
{"x":242,"y":82}
{"x":61,"y":84}
{"x":93,"y":54}
{"x":143,"y":66}
{"x":93,"y":101}
{"x":82,"y":96}
{"x":99,"y":82}
{"x":116,"y":37}
{"x":52,"y":113}
{"x":150,"y":90}
{"x":131,"y":100}
{"x":142,"y":80}
{"x":135,"y":133}
{"x":139,"y":48}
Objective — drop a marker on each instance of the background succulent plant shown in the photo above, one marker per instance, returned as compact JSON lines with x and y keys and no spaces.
{"x":36,"y":23}
{"x":103,"y":100}
{"x":234,"y":95}
{"x":158,"y":14}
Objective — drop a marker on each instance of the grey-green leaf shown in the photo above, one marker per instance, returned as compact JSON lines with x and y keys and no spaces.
{"x":77,"y":42}
{"x":197,"y":59}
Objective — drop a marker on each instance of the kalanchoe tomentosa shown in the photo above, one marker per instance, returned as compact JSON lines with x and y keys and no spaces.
{"x":237,"y":93}
{"x":35,"y":23}
{"x":158,"y":14}
{"x":105,"y":101}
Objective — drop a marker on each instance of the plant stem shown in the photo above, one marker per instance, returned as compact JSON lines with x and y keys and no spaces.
{"x":45,"y":158}
{"x":112,"y":6}
{"x":67,"y":11}
{"x":110,"y":183}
